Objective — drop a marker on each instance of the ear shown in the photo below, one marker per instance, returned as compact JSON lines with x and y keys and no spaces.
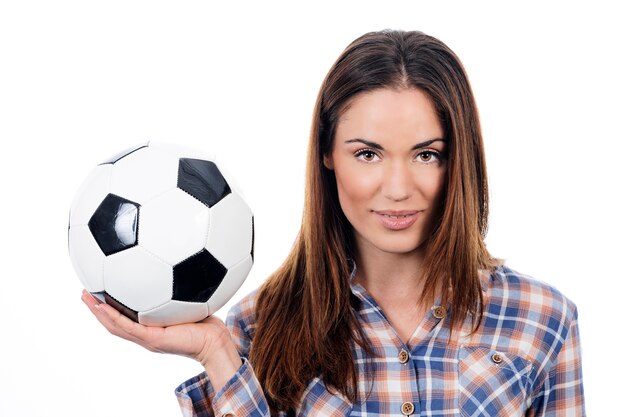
{"x":328,"y":162}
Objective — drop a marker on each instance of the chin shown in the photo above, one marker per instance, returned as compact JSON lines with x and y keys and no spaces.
{"x":401,"y":246}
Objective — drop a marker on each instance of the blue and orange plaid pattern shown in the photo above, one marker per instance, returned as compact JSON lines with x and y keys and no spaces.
{"x":523,"y":361}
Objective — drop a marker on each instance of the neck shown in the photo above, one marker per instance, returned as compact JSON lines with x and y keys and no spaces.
{"x":391,"y":274}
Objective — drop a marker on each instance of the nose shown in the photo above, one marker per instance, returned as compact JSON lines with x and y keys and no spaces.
{"x":397,"y":182}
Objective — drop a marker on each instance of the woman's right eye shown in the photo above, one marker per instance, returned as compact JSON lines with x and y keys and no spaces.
{"x":366,"y":155}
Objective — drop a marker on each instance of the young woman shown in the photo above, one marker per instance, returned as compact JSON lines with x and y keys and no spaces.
{"x":389,"y":303}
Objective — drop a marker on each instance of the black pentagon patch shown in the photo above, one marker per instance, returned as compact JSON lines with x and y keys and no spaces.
{"x":113,"y":159}
{"x":203,"y":180}
{"x":114,"y":224}
{"x":197,"y":277}
{"x":130,"y":313}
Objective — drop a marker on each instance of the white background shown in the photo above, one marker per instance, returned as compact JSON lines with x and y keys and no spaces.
{"x":82,"y":80}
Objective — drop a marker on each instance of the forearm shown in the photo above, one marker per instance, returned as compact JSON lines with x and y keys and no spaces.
{"x":222,"y":362}
{"x":229,"y":384}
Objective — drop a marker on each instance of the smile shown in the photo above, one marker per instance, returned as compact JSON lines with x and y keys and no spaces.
{"x":396,"y":217}
{"x":397,"y":220}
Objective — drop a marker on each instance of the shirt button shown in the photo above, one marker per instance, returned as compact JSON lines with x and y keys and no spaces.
{"x":407,"y":408}
{"x":496,"y":358}
{"x":403,"y":356}
{"x":439,"y":312}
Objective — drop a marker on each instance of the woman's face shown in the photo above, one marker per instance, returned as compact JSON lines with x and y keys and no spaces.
{"x":389,"y":158}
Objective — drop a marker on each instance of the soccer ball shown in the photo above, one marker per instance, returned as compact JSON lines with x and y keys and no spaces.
{"x":161,"y":233}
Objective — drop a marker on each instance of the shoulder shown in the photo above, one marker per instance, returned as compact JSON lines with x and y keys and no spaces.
{"x":524,"y":295}
{"x":525,"y":314}
{"x":241,"y":322}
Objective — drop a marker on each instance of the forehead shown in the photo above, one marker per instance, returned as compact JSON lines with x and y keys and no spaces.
{"x":383,"y":114}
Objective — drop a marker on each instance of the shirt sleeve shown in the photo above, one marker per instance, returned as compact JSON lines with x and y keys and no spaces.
{"x":242,"y":395}
{"x":562,"y":392}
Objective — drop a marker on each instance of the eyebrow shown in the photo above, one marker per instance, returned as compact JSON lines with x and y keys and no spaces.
{"x":379,"y":147}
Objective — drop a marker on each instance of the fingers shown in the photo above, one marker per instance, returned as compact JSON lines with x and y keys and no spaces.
{"x":115,"y":322}
{"x":187,"y":339}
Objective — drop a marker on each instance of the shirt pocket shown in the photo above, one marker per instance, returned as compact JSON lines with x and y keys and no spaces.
{"x":492,"y":383}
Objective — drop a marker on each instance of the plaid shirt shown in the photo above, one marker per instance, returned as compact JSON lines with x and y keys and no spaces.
{"x":523,"y":361}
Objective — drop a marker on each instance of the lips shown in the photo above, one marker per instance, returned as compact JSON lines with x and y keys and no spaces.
{"x":397,"y":219}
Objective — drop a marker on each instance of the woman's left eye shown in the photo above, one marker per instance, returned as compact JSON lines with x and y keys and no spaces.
{"x":428,"y":156}
{"x":366,"y":155}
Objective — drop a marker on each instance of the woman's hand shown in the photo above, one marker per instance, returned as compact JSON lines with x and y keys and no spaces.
{"x":207,"y":341}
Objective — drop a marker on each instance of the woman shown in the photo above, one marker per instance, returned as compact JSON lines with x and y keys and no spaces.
{"x":389,"y":303}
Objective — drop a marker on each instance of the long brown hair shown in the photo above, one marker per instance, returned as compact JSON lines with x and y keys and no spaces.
{"x":305,"y":323}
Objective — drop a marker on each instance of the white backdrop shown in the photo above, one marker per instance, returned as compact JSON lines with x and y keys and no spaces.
{"x":81,"y":80}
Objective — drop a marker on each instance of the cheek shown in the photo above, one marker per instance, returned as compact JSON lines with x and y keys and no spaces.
{"x":354,"y":188}
{"x":432,"y":185}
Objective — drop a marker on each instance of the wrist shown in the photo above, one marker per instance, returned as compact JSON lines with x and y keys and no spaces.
{"x":221,"y":360}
